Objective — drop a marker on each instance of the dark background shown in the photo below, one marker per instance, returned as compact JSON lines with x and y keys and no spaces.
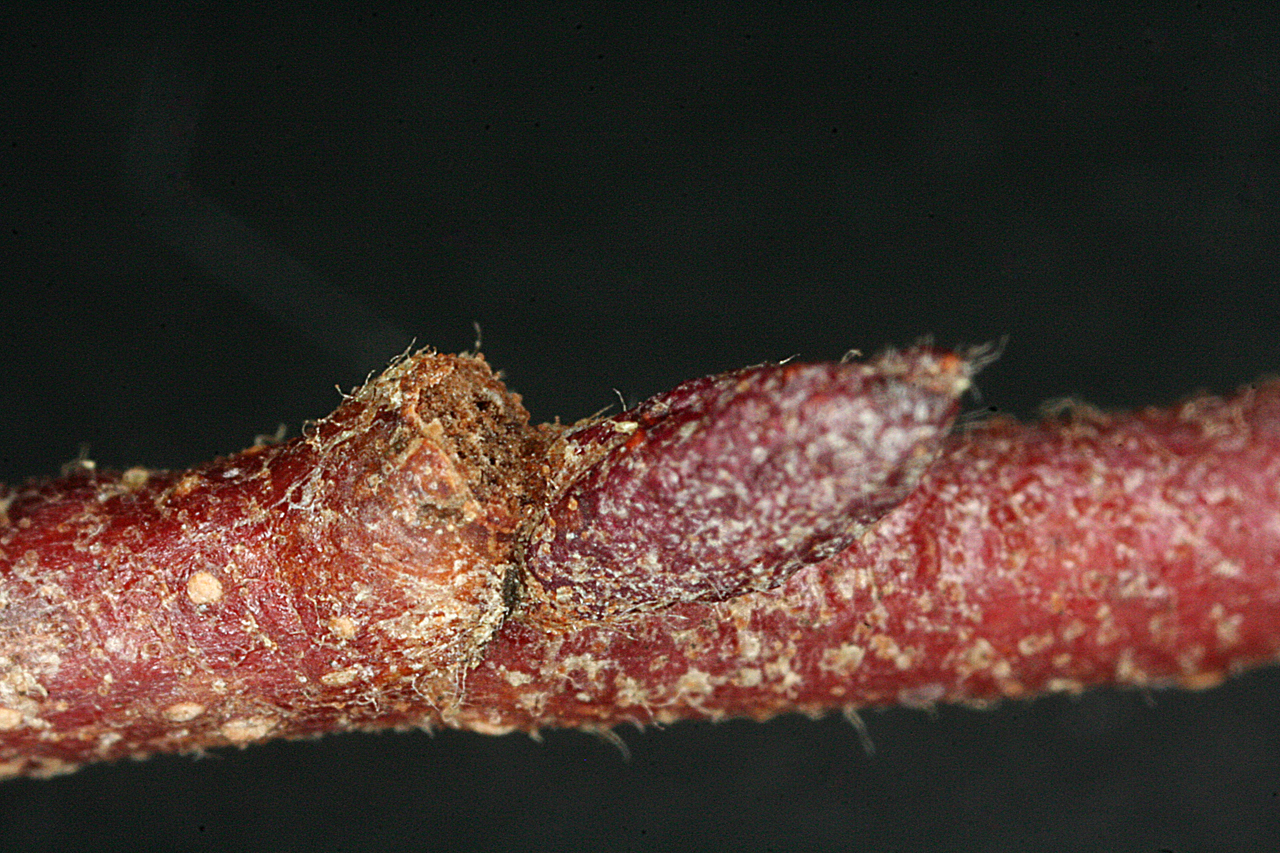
{"x":212,"y":216}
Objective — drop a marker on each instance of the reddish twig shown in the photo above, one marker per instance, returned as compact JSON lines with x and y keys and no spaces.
{"x":783,"y":538}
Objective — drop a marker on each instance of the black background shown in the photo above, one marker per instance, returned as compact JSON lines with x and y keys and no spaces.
{"x":212,"y":216}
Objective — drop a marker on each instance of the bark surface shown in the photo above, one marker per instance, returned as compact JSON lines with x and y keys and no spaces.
{"x":782,"y":538}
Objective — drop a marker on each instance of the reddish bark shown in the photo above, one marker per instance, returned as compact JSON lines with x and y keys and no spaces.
{"x":1137,"y":549}
{"x":424,"y":557}
{"x":348,"y":577}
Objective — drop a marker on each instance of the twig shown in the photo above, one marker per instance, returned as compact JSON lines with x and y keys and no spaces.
{"x":783,"y":538}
